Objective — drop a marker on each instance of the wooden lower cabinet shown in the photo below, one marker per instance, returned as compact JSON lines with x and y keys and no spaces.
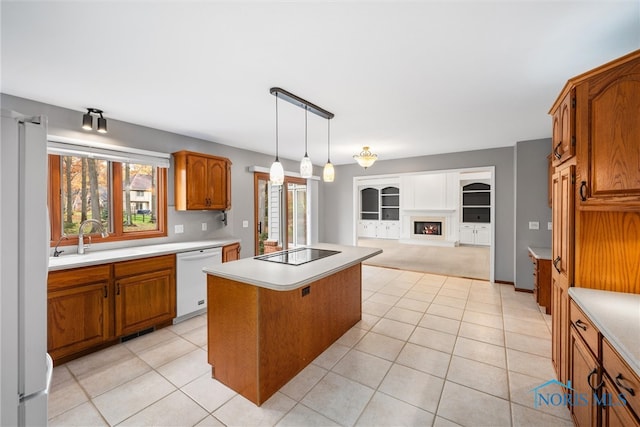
{"x":616,"y":413}
{"x":145,"y":293}
{"x":78,"y":310}
{"x":259,"y":338}
{"x":91,"y":307}
{"x":231,"y":252}
{"x":560,"y":330}
{"x":584,"y":373}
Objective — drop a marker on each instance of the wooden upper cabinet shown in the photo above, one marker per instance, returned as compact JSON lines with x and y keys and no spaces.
{"x":608,"y":132}
{"x":563,"y":137}
{"x":202,"y":182}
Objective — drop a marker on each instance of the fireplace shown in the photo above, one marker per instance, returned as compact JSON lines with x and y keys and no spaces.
{"x":432,"y":228}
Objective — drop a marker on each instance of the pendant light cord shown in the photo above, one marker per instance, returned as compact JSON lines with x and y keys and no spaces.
{"x":306,"y":109}
{"x":277,"y":160}
{"x":328,"y":141}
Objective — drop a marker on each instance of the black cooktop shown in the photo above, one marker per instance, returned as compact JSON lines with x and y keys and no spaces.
{"x":297,"y":256}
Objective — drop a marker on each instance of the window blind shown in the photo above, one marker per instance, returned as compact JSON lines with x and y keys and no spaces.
{"x":64,"y":146}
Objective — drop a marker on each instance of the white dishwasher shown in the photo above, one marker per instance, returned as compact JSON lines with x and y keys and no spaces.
{"x":191,"y":281}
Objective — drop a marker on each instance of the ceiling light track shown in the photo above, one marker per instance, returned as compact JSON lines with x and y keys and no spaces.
{"x":300,"y":102}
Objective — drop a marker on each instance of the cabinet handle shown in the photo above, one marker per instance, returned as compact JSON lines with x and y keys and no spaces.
{"x":555,"y":263}
{"x":118,"y":289}
{"x":595,"y":389}
{"x":619,"y":384}
{"x":583,"y":187}
{"x":556,"y":154}
{"x":105,"y":292}
{"x":580,"y":324}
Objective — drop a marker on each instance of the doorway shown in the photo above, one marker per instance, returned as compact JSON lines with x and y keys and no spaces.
{"x":280,"y":213}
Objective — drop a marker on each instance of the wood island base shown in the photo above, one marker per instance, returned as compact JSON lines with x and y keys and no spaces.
{"x":259,"y":338}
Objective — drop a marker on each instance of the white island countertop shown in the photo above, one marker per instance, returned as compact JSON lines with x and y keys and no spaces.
{"x":617,"y":316}
{"x":284,"y":277}
{"x":96,"y":257}
{"x":540,"y":253}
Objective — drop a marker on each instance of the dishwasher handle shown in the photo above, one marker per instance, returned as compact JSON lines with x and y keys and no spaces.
{"x":190,"y":256}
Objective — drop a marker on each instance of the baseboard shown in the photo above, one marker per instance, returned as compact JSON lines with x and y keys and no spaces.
{"x":504,"y":282}
{"x":527,"y":291}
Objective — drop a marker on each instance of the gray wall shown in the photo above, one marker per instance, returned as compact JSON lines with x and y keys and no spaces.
{"x":337,"y":212}
{"x":531,"y":205}
{"x":335,"y":200}
{"x":65,"y":122}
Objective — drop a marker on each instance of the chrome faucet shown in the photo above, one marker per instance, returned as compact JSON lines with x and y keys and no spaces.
{"x":101,"y":230}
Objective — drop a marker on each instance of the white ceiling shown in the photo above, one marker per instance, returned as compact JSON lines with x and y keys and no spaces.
{"x":406,"y":78}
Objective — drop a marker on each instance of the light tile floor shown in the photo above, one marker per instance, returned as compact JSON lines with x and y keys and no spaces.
{"x":430,"y":350}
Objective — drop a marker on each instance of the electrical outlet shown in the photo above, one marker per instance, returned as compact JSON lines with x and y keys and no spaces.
{"x":245,"y":224}
{"x":549,"y":225}
{"x":534,"y":225}
{"x":204,"y":226}
{"x":179,"y":229}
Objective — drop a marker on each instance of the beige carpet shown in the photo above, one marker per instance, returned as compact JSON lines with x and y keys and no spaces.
{"x":461,"y":261}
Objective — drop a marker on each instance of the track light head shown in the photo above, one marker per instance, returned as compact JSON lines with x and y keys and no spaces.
{"x":87,"y":120}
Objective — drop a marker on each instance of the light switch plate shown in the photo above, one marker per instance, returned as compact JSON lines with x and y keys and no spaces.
{"x":179,"y":228}
{"x":204,"y":226}
{"x":534,"y":225}
{"x":245,"y":224}
{"x":549,"y":225}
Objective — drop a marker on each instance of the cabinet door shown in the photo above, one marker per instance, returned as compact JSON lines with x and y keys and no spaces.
{"x":467,"y":234}
{"x":615,"y":412}
{"x":559,"y":330}
{"x":585,"y":376}
{"x":78,"y":318}
{"x":563,"y":226}
{"x":217,"y":179}
{"x":563,"y":136}
{"x":483,"y":235}
{"x":144,"y":300}
{"x":198,"y":192}
{"x":609,"y":155}
{"x":231,"y":252}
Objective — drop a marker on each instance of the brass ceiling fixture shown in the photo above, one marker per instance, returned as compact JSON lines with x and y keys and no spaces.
{"x":366,"y":158}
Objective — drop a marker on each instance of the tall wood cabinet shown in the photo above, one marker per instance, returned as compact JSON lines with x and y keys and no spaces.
{"x":202,"y":182}
{"x":595,"y":192}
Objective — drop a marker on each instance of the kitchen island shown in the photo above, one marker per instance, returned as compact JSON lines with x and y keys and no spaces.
{"x":268,"y":320}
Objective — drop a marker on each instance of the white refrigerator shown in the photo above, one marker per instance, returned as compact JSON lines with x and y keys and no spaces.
{"x":25,"y":366}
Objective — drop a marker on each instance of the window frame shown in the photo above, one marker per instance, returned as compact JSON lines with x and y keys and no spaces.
{"x":54,"y":200}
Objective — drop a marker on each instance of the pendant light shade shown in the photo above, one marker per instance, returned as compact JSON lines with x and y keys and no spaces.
{"x":306,"y":168}
{"x":276,"y":173}
{"x":366,"y":158}
{"x":328,"y":174}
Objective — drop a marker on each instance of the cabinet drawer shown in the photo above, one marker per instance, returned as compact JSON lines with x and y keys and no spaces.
{"x":144,"y":265}
{"x":585,"y":328}
{"x":62,"y":279}
{"x":625,"y":380}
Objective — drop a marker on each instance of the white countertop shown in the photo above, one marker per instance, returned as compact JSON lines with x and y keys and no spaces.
{"x":617,"y":316}
{"x":113,"y":255}
{"x":540,"y":253}
{"x":283,"y":277}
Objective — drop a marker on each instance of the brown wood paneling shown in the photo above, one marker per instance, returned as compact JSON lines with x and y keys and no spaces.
{"x":232,"y":319}
{"x":61,"y":279}
{"x":608,"y":251}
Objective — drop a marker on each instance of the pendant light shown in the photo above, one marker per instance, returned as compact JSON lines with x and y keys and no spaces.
{"x":276,"y":173}
{"x":328,"y":174}
{"x":306,"y":168}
